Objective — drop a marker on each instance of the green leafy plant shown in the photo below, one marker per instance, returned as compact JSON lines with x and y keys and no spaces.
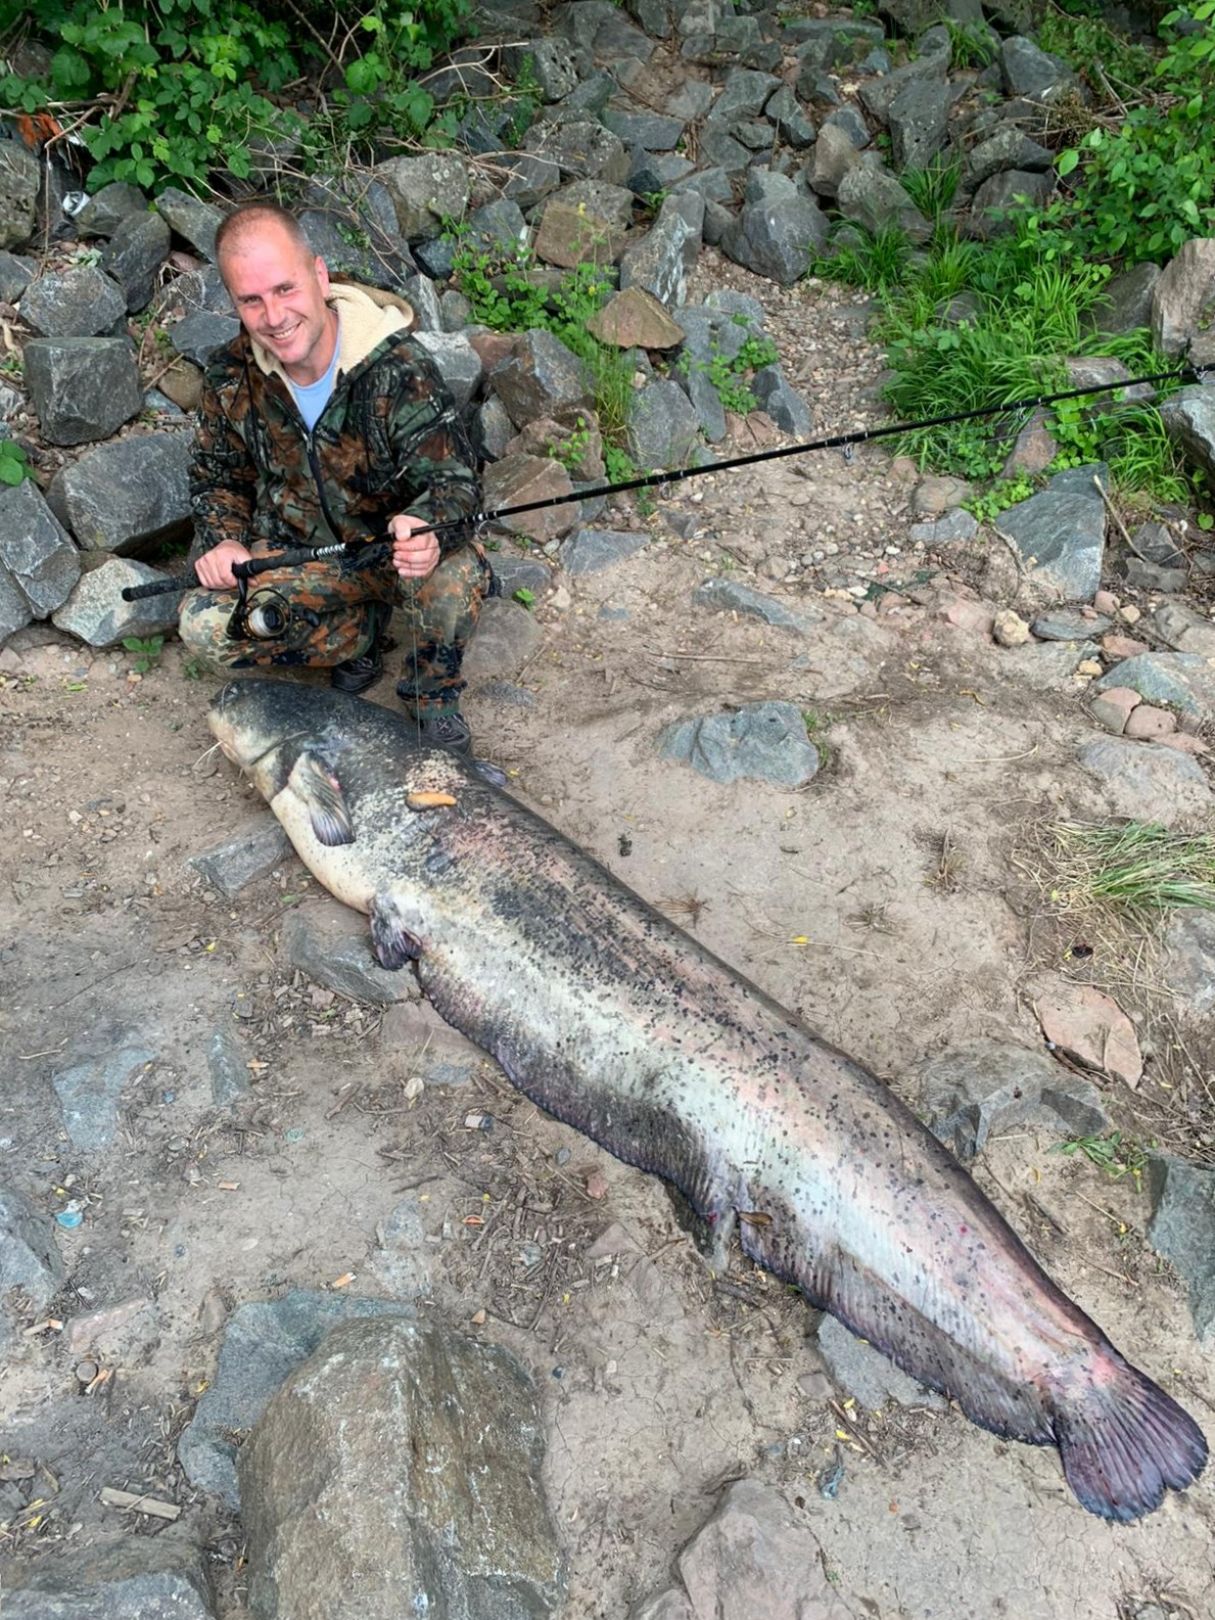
{"x":570,"y":449}
{"x":14,"y":468}
{"x":147,"y":650}
{"x":1007,"y":492}
{"x":731,"y":375}
{"x":1112,"y":1154}
{"x":194,"y":669}
{"x":525,"y":597}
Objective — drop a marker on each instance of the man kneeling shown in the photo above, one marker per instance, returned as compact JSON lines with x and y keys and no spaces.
{"x":325,"y":421}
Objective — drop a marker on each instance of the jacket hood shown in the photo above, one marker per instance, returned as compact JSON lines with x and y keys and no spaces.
{"x":368,"y":316}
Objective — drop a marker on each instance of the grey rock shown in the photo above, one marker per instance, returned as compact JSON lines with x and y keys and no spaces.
{"x":106,"y":209}
{"x":202,"y":334}
{"x":955,"y":526}
{"x":521,"y":574}
{"x":1182,"y":1229}
{"x":718,"y":220}
{"x":983,"y":1086}
{"x":195,"y":221}
{"x":528,"y":179}
{"x":756,"y":134}
{"x":913,"y":17}
{"x":832,"y":41}
{"x":11,"y":402}
{"x":426,"y":191}
{"x":135,"y":1578}
{"x":1154,"y":543}
{"x":83,"y":389}
{"x":82,"y":302}
{"x":1069,"y":626}
{"x":651,"y":172}
{"x":38,"y":561}
{"x":755,"y":1559}
{"x":1177,"y":680}
{"x":1060,"y":536}
{"x":1189,"y":421}
{"x":19,"y":181}
{"x":1147,"y":781}
{"x":540,"y":378}
{"x":1189,"y":942}
{"x":134,"y":255}
{"x":718,"y":149}
{"x":553,"y":65}
{"x":763,"y":741}
{"x":89,"y":1089}
{"x":96,"y":613}
{"x":589,"y":551}
{"x":919,"y":123}
{"x":1149,"y":576}
{"x":1183,"y":303}
{"x":866,"y":1374}
{"x":581,"y":147}
{"x":457,"y":361}
{"x":353,"y":245}
{"x":849,"y":121}
{"x":330,"y":945}
{"x":1008,"y":148}
{"x":251,"y":853}
{"x":777,"y":239}
{"x":1002,"y":198}
{"x":879,"y":95}
{"x":495,"y":428}
{"x":1031,"y":73}
{"x":228,"y":1066}
{"x":498,"y":225}
{"x":872,"y":197}
{"x":792,"y":125}
{"x":452,"y":1427}
{"x":833,"y":157}
{"x":14,"y":609}
{"x":604,"y":30}
{"x":264,"y":1342}
{"x":743,"y":95}
{"x":663,"y":427}
{"x":15,"y":276}
{"x":1126,"y":303}
{"x":1184,"y":629}
{"x":507,"y":636}
{"x":29,"y":1256}
{"x":424,"y":300}
{"x":662,"y":261}
{"x":782,"y":402}
{"x":455,"y":312}
{"x":730,"y":596}
{"x":651,"y":131}
{"x":127,"y":497}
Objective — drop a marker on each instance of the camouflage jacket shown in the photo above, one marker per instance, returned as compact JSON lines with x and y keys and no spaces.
{"x":388,"y":441}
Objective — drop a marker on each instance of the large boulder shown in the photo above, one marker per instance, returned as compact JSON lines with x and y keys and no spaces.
{"x":1189,"y":420}
{"x":449,"y":1427}
{"x":195,"y":221}
{"x":97,"y":614}
{"x":663,"y":427}
{"x":1182,"y":1229}
{"x":518,"y":480}
{"x":127,"y":497}
{"x":38,"y":562}
{"x":84,"y":388}
{"x":83,"y":302}
{"x":540,"y":377}
{"x":30,"y":1261}
{"x":665,"y":257}
{"x":871,"y":196}
{"x":132,"y":1578}
{"x":1183,"y":303}
{"x":19,"y":181}
{"x":584,"y":223}
{"x":1060,"y":536}
{"x":778,"y":234}
{"x":426,"y":191}
{"x":134,"y":255}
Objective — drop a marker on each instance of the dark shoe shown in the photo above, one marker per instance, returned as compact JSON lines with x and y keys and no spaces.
{"x":445,"y":728}
{"x":357,"y":674}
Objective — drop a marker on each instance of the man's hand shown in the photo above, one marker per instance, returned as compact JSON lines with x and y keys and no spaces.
{"x":214,"y":567}
{"x":415,"y":548}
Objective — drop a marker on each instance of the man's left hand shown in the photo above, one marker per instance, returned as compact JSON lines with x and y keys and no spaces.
{"x":415,"y":547}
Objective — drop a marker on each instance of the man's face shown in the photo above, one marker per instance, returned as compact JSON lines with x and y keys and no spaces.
{"x":279,"y":293}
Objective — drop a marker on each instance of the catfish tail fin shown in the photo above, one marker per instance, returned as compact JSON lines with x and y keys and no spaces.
{"x":1124,"y":1441}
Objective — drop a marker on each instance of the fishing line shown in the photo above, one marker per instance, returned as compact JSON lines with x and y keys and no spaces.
{"x":296,"y":557}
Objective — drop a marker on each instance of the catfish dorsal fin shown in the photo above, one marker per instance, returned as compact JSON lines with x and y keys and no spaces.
{"x":315,"y":782}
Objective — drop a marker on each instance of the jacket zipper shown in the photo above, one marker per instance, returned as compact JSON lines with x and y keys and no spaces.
{"x":320,"y":484}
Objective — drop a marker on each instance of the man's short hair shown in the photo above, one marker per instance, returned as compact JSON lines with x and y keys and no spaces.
{"x":245,"y":221}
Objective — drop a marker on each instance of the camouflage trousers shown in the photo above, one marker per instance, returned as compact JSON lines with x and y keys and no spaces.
{"x":334,"y":611}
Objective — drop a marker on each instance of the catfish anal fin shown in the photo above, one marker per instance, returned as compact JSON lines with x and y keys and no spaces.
{"x":315,"y":781}
{"x":391,"y":942}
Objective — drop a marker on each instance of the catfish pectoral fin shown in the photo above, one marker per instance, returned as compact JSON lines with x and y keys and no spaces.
{"x":391,"y":942}
{"x":1123,"y":1441}
{"x":315,"y":783}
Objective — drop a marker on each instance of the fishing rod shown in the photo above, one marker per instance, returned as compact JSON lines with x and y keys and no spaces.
{"x":297,"y":556}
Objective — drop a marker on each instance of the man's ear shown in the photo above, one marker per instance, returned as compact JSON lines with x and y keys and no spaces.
{"x":322,"y":275}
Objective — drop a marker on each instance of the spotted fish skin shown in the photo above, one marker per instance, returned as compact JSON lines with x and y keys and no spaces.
{"x":620,"y":1024}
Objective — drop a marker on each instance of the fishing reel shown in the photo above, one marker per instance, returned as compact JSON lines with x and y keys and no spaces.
{"x":263,"y":614}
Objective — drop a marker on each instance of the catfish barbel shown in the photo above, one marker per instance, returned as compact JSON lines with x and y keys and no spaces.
{"x":623,"y":1026}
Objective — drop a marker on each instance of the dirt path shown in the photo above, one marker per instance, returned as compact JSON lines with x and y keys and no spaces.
{"x":881,"y":902}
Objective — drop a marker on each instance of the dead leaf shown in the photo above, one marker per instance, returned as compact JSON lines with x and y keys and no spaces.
{"x":427,"y":800}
